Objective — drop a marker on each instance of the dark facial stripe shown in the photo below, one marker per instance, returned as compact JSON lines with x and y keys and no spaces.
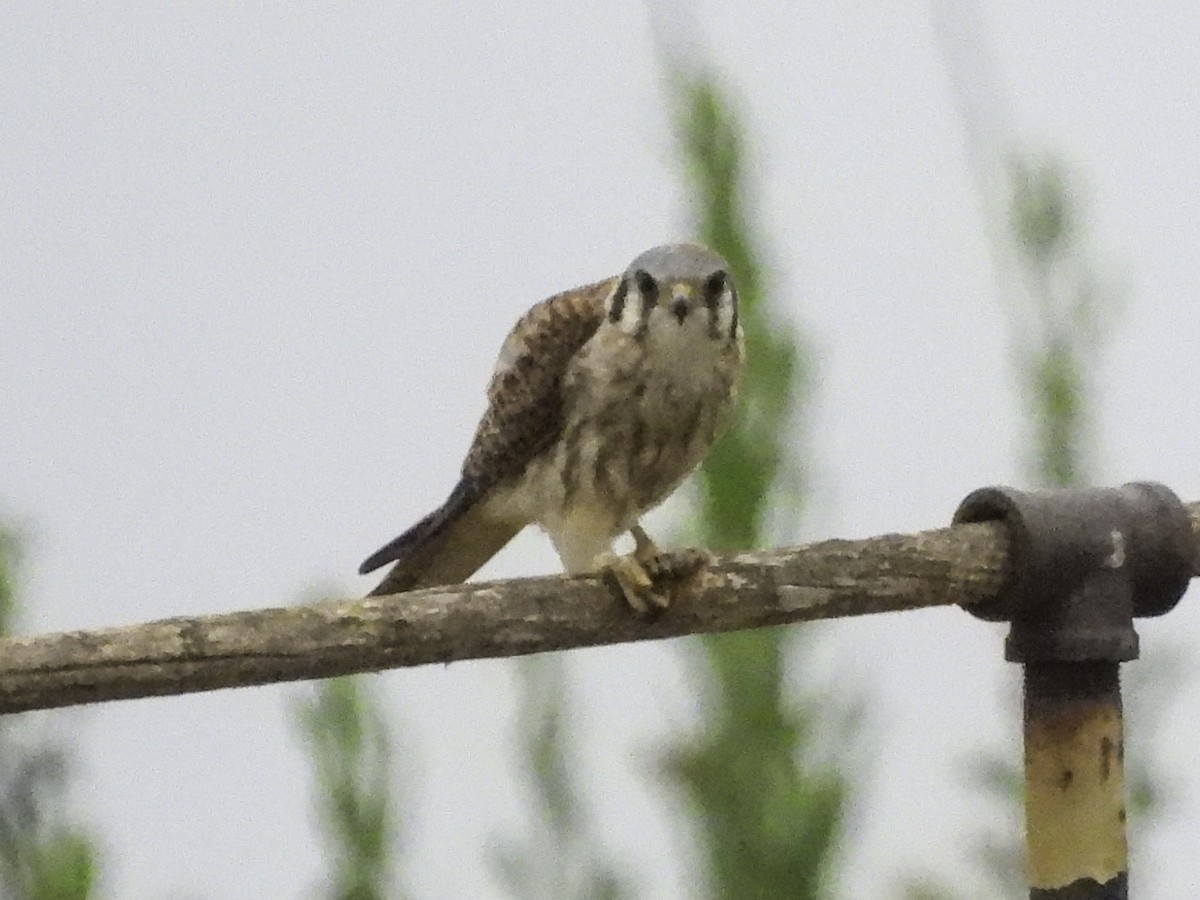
{"x":646,"y":283}
{"x":714,"y":289}
{"x":712,"y":302}
{"x":648,"y":289}
{"x":618,"y":301}
{"x":734,"y":322}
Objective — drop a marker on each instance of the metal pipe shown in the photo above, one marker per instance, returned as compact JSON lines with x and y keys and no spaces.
{"x":1083,"y":563}
{"x":1075,"y":782}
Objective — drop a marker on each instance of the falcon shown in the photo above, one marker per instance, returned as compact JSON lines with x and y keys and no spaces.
{"x":604,"y":398}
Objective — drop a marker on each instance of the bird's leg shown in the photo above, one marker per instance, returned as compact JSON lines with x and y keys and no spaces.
{"x":644,"y":547}
{"x":640,"y":573}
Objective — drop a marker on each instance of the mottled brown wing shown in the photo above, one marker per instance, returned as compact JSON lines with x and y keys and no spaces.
{"x":525,"y":409}
{"x":523,"y":417}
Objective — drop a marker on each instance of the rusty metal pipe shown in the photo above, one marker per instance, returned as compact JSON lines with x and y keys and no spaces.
{"x":1074,"y":782}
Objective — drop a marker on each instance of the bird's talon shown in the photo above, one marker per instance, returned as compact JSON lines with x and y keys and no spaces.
{"x":635,"y":582}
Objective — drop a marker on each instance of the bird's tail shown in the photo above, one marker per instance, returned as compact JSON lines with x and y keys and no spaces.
{"x":448,"y":546}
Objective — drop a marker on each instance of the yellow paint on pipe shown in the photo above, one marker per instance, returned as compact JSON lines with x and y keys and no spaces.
{"x":1074,"y":791}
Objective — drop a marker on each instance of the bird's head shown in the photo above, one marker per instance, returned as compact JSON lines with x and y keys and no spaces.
{"x":677,"y":294}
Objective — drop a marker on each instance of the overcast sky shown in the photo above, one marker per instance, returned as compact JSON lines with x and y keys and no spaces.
{"x":255,"y":264}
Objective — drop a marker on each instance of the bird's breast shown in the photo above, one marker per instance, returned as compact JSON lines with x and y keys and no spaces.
{"x":632,"y":432}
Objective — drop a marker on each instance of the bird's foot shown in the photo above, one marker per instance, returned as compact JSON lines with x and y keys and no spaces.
{"x":635,"y":582}
{"x":648,"y":576}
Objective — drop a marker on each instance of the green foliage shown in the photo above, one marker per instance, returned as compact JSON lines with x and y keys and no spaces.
{"x":770,"y":817}
{"x":747,"y":463}
{"x":351,"y":752}
{"x":557,"y":859}
{"x":10,"y":561}
{"x":64,"y":868}
{"x":1042,"y":214}
{"x":771,"y":823}
{"x":42,"y":856}
{"x":1056,"y":392}
{"x":1058,"y":333}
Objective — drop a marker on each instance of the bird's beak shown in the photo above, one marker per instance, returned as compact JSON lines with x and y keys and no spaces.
{"x":681,"y":301}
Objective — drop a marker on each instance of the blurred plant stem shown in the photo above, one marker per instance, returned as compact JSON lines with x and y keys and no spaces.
{"x":42,"y":855}
{"x":770,"y":815}
{"x":351,"y":752}
{"x":1058,"y":333}
{"x":560,"y":857}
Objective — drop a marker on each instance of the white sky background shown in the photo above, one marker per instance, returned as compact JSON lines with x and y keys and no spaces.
{"x":256,"y":262}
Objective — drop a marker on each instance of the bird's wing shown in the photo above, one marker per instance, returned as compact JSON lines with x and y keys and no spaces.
{"x":525,"y":404}
{"x":523,"y":417}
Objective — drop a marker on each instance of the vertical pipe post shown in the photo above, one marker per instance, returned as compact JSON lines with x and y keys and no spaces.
{"x":1074,"y":782}
{"x":1081,"y":564}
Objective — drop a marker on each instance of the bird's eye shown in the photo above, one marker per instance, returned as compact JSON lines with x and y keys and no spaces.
{"x":715,"y":285}
{"x":646,"y":284}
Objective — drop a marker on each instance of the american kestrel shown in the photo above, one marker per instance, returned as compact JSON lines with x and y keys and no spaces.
{"x":603,"y":400}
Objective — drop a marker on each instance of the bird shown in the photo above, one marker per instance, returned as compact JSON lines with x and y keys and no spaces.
{"x":603,"y":400}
